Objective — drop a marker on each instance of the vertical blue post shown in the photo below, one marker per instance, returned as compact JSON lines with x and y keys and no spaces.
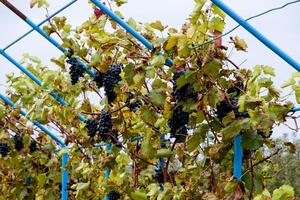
{"x":64,"y":181}
{"x":238,"y":157}
{"x":257,"y":34}
{"x":107,"y":171}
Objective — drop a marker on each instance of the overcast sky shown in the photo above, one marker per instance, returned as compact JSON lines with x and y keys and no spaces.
{"x":281,"y":27}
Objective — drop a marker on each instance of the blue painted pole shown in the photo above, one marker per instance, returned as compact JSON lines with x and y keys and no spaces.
{"x":42,"y":33}
{"x":295,"y":109}
{"x":41,"y":23}
{"x":37,"y":81}
{"x":65,"y":174}
{"x":43,"y":128}
{"x":257,"y":34}
{"x":107,"y":171}
{"x":238,"y":157}
{"x":64,"y":183}
{"x":128,"y":28}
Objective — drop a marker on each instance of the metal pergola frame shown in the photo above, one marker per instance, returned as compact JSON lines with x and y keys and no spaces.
{"x":238,"y":150}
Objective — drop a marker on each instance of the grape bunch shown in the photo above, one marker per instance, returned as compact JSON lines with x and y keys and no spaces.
{"x":18,"y":142}
{"x":4,"y":149}
{"x":113,"y":195}
{"x":235,"y":91}
{"x":92,"y":127}
{"x":225,"y":107}
{"x":109,"y":80}
{"x":238,"y":114}
{"x":76,"y":70}
{"x":99,"y":79}
{"x":33,"y":146}
{"x":105,"y":124}
{"x":159,"y":176}
{"x":183,"y":93}
{"x":133,"y":105}
{"x":177,"y":123}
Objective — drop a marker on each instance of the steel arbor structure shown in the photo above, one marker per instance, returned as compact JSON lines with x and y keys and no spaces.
{"x":238,"y":151}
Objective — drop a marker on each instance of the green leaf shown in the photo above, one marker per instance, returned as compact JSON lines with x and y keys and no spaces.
{"x":147,"y":150}
{"x":283,"y":193}
{"x":157,"y":98}
{"x":232,"y":129}
{"x":148,"y":116}
{"x":252,"y":141}
{"x":239,"y":43}
{"x":216,"y":23}
{"x":171,"y":41}
{"x":137,"y":195}
{"x":164,"y":153}
{"x":157,"y":25}
{"x":197,"y":137}
{"x":268,"y":70}
{"x":82,"y":186}
{"x":158,"y":61}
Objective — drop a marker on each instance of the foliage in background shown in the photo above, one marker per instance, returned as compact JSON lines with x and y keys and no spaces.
{"x":187,"y":114}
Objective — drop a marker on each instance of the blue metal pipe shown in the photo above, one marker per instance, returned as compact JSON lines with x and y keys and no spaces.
{"x":38,"y":81}
{"x":43,"y":128}
{"x":42,"y":33}
{"x":257,"y":34}
{"x":238,"y":157}
{"x":65,"y":174}
{"x":128,"y":28}
{"x":295,"y":109}
{"x":41,"y":23}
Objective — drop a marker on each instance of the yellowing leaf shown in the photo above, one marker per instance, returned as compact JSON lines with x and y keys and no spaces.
{"x":239,"y":43}
{"x":165,"y":153}
{"x":157,"y":25}
{"x":158,"y":61}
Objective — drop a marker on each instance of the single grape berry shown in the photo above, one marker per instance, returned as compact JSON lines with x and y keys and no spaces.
{"x":92,"y":127}
{"x":159,"y":176}
{"x":76,"y":70}
{"x":4,"y":149}
{"x":133,"y":105}
{"x":33,"y":146}
{"x":113,"y":195}
{"x":18,"y":142}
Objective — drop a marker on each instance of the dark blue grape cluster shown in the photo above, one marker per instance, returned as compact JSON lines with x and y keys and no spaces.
{"x":4,"y":149}
{"x":109,"y":80}
{"x":18,"y":142}
{"x":177,"y":124}
{"x":92,"y":127}
{"x":33,"y":146}
{"x":235,"y":91}
{"x":113,"y":195}
{"x":76,"y":70}
{"x":103,"y":127}
{"x":225,"y":107}
{"x":133,"y":105}
{"x":183,"y":93}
